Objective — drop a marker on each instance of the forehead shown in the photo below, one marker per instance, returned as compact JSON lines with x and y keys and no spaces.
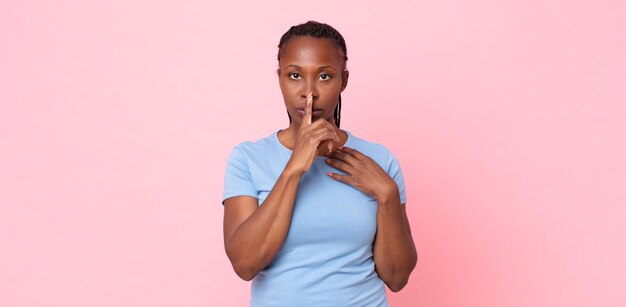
{"x":303,"y":50}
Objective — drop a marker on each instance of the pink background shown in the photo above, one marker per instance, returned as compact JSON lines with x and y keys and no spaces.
{"x":116,"y":119}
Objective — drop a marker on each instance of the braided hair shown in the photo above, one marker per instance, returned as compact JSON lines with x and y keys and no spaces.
{"x":317,"y":30}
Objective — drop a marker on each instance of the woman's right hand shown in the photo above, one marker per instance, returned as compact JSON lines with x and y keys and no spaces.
{"x":309,"y":137}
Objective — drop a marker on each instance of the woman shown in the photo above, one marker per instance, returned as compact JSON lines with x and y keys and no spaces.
{"x":314,"y":215}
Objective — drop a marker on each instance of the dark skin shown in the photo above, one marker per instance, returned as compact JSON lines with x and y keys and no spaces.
{"x":311,"y":76}
{"x":315,"y":67}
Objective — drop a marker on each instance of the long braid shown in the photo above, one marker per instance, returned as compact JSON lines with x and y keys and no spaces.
{"x":338,"y":112}
{"x":317,"y":30}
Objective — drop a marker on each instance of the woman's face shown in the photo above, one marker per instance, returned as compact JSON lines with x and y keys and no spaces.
{"x":309,"y":64}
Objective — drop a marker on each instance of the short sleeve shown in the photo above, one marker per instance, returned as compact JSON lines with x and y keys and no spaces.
{"x":395,"y":171}
{"x":237,"y":180}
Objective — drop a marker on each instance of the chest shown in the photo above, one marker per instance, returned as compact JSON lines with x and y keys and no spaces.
{"x":327,"y":211}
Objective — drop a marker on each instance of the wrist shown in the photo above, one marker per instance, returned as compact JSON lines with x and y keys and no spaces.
{"x":291,"y":171}
{"x":388,"y":195}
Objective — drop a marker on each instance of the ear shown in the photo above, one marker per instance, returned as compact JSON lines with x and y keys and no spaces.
{"x":344,"y":79}
{"x":278,"y":71}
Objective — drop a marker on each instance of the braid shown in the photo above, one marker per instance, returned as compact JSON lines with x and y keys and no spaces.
{"x":317,"y":30}
{"x":338,"y":112}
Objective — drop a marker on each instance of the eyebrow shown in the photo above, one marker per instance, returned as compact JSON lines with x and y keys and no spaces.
{"x":319,"y":68}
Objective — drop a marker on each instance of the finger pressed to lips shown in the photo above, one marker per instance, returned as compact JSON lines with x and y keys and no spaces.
{"x":314,"y":113}
{"x":308,"y":106}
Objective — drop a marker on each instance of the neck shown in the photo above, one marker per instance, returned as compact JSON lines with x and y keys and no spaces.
{"x":288,"y":136}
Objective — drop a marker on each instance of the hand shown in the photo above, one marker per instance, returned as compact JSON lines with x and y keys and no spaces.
{"x":309,"y":138}
{"x":363,"y":173}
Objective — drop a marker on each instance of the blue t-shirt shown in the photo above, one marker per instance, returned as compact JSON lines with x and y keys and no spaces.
{"x":326,"y":259}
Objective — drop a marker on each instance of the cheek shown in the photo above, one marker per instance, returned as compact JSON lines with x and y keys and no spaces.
{"x":290,"y":94}
{"x":288,"y":87}
{"x":332,"y":88}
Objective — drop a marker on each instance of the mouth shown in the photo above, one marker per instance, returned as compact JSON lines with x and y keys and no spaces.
{"x":314,"y":113}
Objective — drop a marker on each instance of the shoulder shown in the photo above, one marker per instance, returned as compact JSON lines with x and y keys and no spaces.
{"x":254,"y":148}
{"x":377,"y":151}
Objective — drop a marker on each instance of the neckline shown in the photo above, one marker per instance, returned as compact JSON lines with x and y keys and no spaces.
{"x":289,"y":151}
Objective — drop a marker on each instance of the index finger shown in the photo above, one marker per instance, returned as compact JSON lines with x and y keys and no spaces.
{"x":308,"y":110}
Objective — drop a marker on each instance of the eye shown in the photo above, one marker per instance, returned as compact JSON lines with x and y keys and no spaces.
{"x":294,"y":75}
{"x":324,"y":77}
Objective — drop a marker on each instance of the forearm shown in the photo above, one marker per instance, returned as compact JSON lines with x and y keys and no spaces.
{"x":394,"y":251}
{"x":253,"y":245}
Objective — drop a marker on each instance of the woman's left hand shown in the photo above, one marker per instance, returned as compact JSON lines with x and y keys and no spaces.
{"x":363,"y":173}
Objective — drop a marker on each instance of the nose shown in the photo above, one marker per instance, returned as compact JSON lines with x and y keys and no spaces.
{"x":310,"y":87}
{"x":306,"y":93}
{"x":315,"y":96}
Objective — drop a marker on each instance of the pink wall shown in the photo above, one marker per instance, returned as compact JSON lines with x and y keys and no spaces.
{"x":116,"y":119}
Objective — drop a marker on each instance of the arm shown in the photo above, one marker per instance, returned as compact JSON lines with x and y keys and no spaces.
{"x":394,"y":251}
{"x":252,"y":234}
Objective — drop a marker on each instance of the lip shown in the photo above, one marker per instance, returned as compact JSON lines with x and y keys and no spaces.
{"x":315,"y":112}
